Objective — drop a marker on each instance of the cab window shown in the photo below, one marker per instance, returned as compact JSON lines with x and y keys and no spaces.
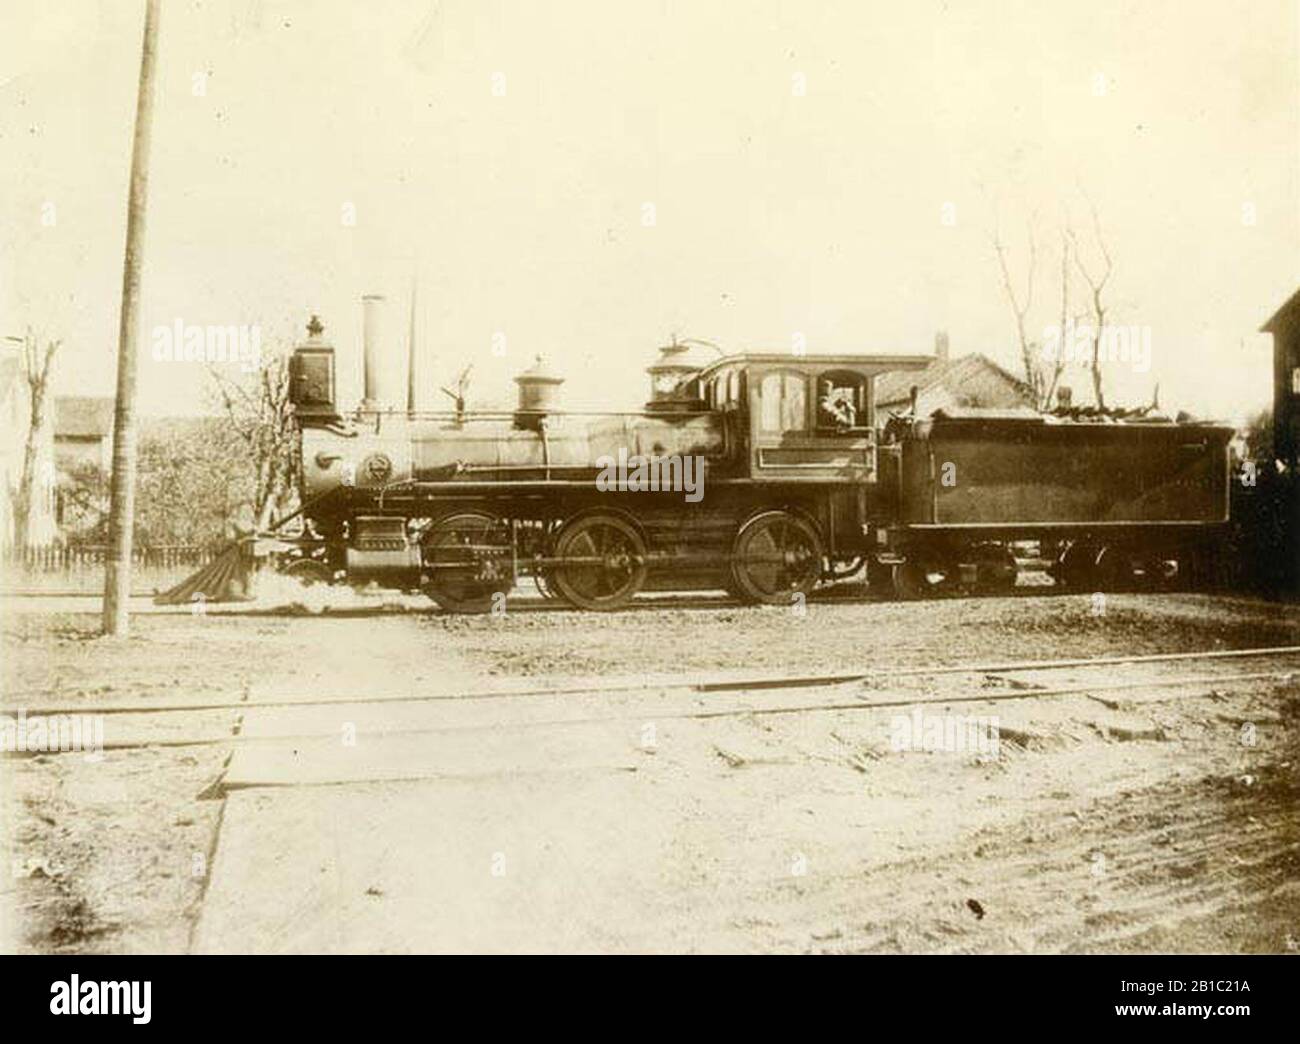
{"x":841,"y":401}
{"x":783,"y":402}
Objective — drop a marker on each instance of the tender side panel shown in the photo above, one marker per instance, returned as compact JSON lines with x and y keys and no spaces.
{"x":972,"y":473}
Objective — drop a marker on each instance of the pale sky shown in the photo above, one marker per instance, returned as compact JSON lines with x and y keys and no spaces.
{"x":822,"y":168}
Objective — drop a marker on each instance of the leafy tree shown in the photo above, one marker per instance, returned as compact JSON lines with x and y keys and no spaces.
{"x":83,"y":504}
{"x":193,"y":483}
{"x":257,"y":410}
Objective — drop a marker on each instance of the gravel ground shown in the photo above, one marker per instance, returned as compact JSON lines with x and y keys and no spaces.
{"x":111,"y":855}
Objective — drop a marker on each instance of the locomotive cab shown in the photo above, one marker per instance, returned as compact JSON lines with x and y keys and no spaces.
{"x":807,"y":418}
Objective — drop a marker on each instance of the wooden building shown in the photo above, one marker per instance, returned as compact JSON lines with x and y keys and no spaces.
{"x":1285,"y":328}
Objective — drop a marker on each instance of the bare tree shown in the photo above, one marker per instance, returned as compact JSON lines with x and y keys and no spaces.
{"x":1096,"y":277}
{"x":37,"y":362}
{"x":1020,"y":306}
{"x":1042,"y":370}
{"x":259,"y":412}
{"x":1052,"y":378}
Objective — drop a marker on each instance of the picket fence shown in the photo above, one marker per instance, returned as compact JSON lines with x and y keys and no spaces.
{"x":79,"y":568}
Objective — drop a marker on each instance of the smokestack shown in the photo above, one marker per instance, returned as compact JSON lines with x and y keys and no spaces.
{"x":380,"y":371}
{"x":941,"y":346}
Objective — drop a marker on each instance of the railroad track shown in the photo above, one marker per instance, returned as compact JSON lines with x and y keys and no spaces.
{"x":848,"y":594}
{"x":736,"y":686}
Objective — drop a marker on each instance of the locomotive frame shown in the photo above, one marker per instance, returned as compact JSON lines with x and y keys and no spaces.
{"x":786,"y":505}
{"x":802,"y":486}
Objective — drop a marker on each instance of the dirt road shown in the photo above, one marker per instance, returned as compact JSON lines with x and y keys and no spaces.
{"x":1149,"y":818}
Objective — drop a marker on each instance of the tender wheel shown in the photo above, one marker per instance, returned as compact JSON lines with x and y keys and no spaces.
{"x":909,"y":581}
{"x":1163,"y":570}
{"x":1075,"y":567}
{"x":467,"y":559}
{"x":920,"y":577}
{"x":608,"y":564}
{"x":1203,"y":569}
{"x":1116,"y":570}
{"x":776,"y":556}
{"x":995,"y":568}
{"x":880,"y":578}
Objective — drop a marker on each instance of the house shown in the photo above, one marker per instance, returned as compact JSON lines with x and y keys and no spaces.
{"x":1281,"y":561}
{"x":15,"y":422}
{"x":83,"y":432}
{"x":972,"y":380}
{"x":83,"y":457}
{"x":1285,"y":328}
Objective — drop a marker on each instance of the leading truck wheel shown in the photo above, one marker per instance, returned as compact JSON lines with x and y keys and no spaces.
{"x":777,"y":556}
{"x":606,"y":562}
{"x":310,"y":572}
{"x":467,"y":559}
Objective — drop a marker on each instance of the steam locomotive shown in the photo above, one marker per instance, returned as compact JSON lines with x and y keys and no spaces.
{"x":763,"y":474}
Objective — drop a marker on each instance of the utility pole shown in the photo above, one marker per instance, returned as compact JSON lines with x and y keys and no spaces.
{"x":121,"y":519}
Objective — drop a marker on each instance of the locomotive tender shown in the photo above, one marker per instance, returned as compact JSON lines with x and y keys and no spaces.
{"x":800,"y":483}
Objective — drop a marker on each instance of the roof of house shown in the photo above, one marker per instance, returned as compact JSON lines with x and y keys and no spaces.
{"x":83,"y":416}
{"x":1277,"y":319}
{"x":957,"y":375}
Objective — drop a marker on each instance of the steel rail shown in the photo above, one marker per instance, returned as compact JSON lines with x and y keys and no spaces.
{"x":240,"y":739}
{"x":759,"y":682}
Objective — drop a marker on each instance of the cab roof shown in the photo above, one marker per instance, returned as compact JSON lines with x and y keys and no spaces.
{"x":870,"y":363}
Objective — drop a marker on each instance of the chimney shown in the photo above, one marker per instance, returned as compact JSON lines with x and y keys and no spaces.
{"x":941,"y":345}
{"x":378,"y":357}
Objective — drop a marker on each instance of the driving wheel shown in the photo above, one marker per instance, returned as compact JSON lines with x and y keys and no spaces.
{"x":776,"y":556}
{"x":604,"y":562}
{"x":467,"y":560}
